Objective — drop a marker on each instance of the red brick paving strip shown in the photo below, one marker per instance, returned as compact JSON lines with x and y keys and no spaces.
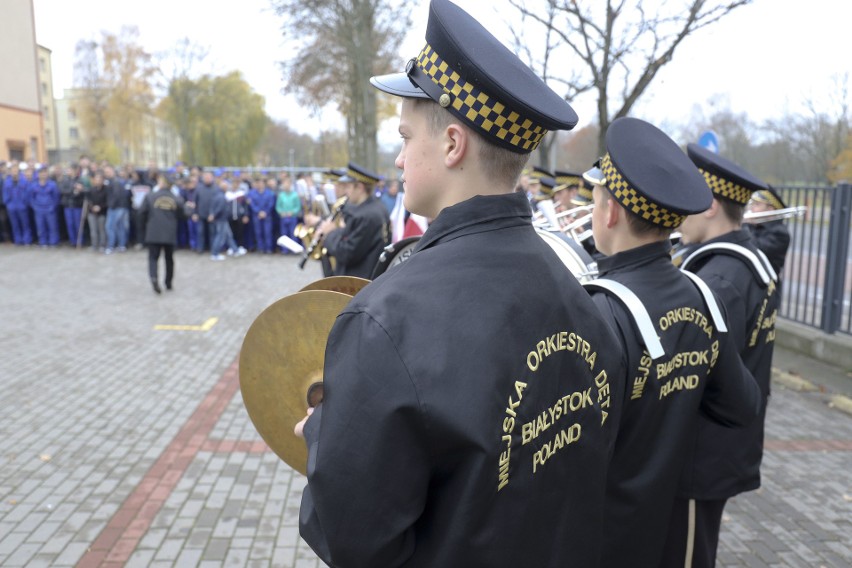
{"x":115,"y":544}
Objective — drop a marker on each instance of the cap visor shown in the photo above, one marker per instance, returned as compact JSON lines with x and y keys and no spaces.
{"x":595,"y":175}
{"x":398,"y":84}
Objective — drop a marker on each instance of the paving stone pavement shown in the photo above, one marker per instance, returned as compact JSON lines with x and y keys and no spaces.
{"x":126,"y":445}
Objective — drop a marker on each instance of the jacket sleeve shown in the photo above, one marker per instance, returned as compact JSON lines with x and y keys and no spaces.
{"x":773,"y":240}
{"x":732,"y":396}
{"x":368,"y":461}
{"x":351,"y":243}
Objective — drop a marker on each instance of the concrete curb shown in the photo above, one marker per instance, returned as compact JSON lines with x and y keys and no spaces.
{"x":834,"y":349}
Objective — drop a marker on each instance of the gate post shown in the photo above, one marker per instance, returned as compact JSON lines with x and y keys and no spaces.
{"x":836,"y":255}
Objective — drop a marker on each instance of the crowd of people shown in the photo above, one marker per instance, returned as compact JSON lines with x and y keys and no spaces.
{"x":227,"y":211}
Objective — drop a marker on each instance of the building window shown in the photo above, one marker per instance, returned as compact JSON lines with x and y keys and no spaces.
{"x":42,"y":64}
{"x":47,"y":113}
{"x":44,"y":89}
{"x":73,"y":133}
{"x":34,"y":147}
{"x":72,"y":114}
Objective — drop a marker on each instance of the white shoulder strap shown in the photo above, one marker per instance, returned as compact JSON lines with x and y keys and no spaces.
{"x":737,"y":250}
{"x":767,"y":265}
{"x":635,"y":308}
{"x":710,"y":300}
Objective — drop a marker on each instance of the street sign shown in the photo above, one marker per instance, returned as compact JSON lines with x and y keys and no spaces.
{"x":710,"y":141}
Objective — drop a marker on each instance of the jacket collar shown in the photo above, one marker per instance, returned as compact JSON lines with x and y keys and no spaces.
{"x":477,"y":214}
{"x":636,"y":257}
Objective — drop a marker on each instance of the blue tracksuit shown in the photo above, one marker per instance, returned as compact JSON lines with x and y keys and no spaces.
{"x":262,"y":201}
{"x":44,"y":199}
{"x":16,"y":195}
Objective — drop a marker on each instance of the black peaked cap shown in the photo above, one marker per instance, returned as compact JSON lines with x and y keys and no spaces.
{"x":650,"y":176}
{"x":470,"y":73}
{"x":725,"y":178}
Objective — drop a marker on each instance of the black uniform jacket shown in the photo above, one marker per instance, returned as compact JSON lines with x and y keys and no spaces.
{"x":357,"y":246}
{"x":160,"y":214}
{"x":466,"y":421}
{"x":773,"y":239}
{"x":727,"y":460}
{"x":701,"y":373}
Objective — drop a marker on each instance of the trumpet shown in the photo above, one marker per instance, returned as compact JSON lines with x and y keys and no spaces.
{"x":756,"y":218}
{"x":315,"y":250}
{"x":774,"y":215}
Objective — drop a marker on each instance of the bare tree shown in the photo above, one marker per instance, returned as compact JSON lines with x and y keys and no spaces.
{"x":620,"y":44}
{"x":337,"y":45}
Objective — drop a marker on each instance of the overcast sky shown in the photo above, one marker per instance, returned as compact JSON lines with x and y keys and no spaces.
{"x":765,"y":59}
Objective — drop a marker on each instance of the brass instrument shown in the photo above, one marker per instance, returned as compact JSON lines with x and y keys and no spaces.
{"x":774,"y":215}
{"x":315,"y":249}
{"x":755,"y":218}
{"x":566,"y":221}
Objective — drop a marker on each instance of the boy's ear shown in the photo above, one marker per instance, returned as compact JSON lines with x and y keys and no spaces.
{"x":456,"y":144}
{"x":713,"y":210}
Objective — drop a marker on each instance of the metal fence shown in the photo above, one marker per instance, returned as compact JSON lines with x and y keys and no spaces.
{"x":817,"y":275}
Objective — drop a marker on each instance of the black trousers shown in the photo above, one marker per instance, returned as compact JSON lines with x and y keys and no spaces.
{"x":154,"y":258}
{"x":693,"y":534}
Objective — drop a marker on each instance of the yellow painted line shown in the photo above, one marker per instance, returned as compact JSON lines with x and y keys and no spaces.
{"x":206,"y":326}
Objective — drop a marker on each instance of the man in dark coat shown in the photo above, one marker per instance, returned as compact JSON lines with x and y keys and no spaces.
{"x":357,"y":245}
{"x":207,"y":191}
{"x":687,"y":365}
{"x":469,"y":409}
{"x":160,"y":214}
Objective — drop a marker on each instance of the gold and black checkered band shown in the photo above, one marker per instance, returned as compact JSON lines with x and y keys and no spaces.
{"x":568,"y":181}
{"x":727,"y":189}
{"x":361,"y":177}
{"x":634,"y":202}
{"x":768,"y":198}
{"x":584,"y":196}
{"x":483,"y":111}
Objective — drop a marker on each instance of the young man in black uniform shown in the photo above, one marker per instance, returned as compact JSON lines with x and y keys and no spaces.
{"x":357,"y":245}
{"x":468,"y":407}
{"x":770,"y":237}
{"x":679,"y":359}
{"x":726,"y":461}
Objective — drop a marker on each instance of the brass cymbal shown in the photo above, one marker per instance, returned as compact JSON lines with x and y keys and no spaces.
{"x":349,"y":285}
{"x":281,"y":360}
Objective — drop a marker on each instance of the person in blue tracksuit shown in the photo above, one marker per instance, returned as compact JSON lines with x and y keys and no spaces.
{"x":44,"y":199}
{"x":16,"y":195}
{"x":262,"y":205}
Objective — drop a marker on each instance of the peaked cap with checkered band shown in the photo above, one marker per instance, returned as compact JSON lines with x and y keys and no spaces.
{"x":469,"y":72}
{"x":354,"y":172}
{"x":769,"y":196}
{"x":726,"y":179}
{"x":649,"y":175}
